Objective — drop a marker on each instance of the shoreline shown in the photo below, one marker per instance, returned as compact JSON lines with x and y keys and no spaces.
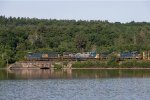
{"x":114,"y":68}
{"x":77,"y":68}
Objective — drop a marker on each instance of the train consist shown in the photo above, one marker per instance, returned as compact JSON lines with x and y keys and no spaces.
{"x":85,"y":56}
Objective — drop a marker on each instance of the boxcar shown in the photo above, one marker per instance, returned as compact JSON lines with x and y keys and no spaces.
{"x":104,"y":55}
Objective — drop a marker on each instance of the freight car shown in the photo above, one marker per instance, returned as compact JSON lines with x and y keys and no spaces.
{"x":104,"y":55}
{"x":87,"y":56}
{"x":79,"y":56}
{"x":68,"y":56}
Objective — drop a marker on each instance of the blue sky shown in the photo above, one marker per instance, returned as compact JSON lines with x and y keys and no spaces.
{"x":111,"y":10}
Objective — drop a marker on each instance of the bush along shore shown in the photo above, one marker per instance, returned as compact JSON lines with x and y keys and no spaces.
{"x":111,"y":64}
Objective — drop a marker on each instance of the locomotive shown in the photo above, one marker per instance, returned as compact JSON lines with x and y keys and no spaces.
{"x":42,"y":56}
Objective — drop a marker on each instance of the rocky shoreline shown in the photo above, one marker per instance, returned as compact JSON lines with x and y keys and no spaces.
{"x":39,"y":65}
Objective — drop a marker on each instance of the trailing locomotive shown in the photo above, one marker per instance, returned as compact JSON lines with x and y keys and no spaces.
{"x":130,"y":55}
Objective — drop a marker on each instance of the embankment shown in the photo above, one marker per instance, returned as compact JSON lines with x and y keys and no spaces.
{"x":40,"y":65}
{"x":82,"y":64}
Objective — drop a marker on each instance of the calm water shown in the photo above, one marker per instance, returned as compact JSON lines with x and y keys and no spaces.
{"x":75,"y":85}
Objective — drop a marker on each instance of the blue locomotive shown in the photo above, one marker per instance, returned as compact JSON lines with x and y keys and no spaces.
{"x":42,"y":56}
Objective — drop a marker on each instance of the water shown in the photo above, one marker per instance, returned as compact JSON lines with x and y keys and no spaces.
{"x":75,"y":85}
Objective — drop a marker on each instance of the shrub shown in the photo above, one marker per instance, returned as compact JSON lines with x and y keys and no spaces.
{"x":57,"y":66}
{"x":2,"y":64}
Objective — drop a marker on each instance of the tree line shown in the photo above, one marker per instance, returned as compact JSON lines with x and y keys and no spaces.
{"x":21,"y":35}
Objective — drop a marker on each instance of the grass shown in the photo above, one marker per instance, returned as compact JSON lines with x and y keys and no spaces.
{"x":2,"y":64}
{"x":89,"y":64}
{"x":136,"y":64}
{"x":111,"y":64}
{"x":57,"y":66}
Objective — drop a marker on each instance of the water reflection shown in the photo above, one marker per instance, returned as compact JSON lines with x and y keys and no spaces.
{"x":70,"y":73}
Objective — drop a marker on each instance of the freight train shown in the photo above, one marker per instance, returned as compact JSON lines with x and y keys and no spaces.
{"x":83,"y":56}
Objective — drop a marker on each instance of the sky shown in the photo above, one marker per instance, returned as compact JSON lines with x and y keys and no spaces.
{"x":111,"y":10}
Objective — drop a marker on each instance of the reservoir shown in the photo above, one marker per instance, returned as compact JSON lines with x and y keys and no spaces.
{"x":75,"y":84}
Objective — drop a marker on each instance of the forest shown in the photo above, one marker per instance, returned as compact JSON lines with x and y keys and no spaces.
{"x":18,"y":36}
